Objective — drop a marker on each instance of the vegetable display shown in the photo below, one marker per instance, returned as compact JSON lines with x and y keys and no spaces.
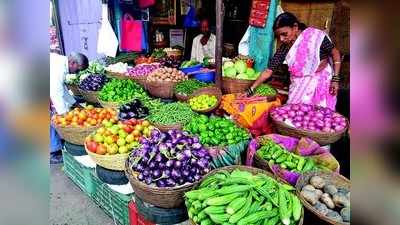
{"x":239,"y":70}
{"x":142,"y":69}
{"x":242,"y":198}
{"x":85,"y":117}
{"x":93,"y":82}
{"x":276,"y":154}
{"x":134,"y":109}
{"x":187,"y":87}
{"x":189,"y":63}
{"x":118,"y":90}
{"x":172,"y":113}
{"x":94,"y":68}
{"x":327,"y":199}
{"x":123,"y":57}
{"x":216,"y":131}
{"x":170,"y":159}
{"x":119,"y":137}
{"x":158,"y":53}
{"x":166,"y":74}
{"x":309,"y":117}
{"x":169,"y":61}
{"x":143,"y":59}
{"x":119,"y":67}
{"x":265,"y":90}
{"x":203,"y":102}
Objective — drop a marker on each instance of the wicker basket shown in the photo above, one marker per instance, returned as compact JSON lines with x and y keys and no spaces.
{"x":75,"y":135}
{"x":321,"y":138}
{"x":333,"y":178}
{"x":116,"y":75}
{"x":74,"y":89}
{"x":169,"y":197}
{"x":90,"y":96}
{"x":111,"y":162}
{"x":231,"y":85}
{"x":245,"y":168}
{"x":163,"y":89}
{"x":208,"y":91}
{"x":142,"y":80}
{"x":174,"y":53}
{"x":165,"y":128}
{"x":261,"y":163}
{"x":113,"y":105}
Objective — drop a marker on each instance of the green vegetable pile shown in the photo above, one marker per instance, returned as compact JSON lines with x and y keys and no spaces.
{"x":216,"y":131}
{"x":172,"y":113}
{"x":158,"y":53}
{"x":118,"y":90}
{"x":265,"y":90}
{"x":123,"y":57}
{"x":186,"y":64}
{"x":242,"y":198}
{"x":276,"y":154}
{"x":187,"y":87}
{"x":203,"y":102}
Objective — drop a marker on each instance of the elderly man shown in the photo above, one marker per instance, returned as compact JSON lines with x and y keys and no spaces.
{"x":61,"y":100}
{"x":204,"y":43}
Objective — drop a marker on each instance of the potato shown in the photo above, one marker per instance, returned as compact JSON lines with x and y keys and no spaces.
{"x":341,"y":200}
{"x":325,"y":198}
{"x":334,"y":215}
{"x":345,"y":213}
{"x":321,"y":208}
{"x":317,"y":182}
{"x":309,"y":196}
{"x":318,"y":193}
{"x":308,"y":187}
{"x":330,"y":189}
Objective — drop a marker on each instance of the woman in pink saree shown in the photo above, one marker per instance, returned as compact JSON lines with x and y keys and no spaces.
{"x":312,"y":59}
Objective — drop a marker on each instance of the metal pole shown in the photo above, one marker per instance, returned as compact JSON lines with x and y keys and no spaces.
{"x":219,"y":5}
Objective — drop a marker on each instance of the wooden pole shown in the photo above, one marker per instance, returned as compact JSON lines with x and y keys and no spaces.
{"x":219,"y":8}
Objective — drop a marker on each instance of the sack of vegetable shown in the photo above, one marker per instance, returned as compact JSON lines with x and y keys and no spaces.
{"x":165,"y":166}
{"x":289,"y":157}
{"x":224,"y":139}
{"x":243,"y":195}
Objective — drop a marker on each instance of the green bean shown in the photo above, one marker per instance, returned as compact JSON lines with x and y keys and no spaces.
{"x":172,"y":113}
{"x":187,"y":87}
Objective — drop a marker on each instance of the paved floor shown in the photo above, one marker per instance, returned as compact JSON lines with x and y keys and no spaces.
{"x":69,"y":205}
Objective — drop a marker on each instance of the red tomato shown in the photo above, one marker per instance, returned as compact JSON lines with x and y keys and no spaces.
{"x":133,"y":121}
{"x":101,"y":149}
{"x":128,"y":129}
{"x":91,"y":146}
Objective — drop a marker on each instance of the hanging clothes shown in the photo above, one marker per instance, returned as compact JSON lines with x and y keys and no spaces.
{"x":262,"y":39}
{"x":80,"y":23}
{"x":108,"y":42}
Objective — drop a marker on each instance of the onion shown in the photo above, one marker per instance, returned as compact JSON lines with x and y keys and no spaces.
{"x":314,"y":119}
{"x":319,"y":123}
{"x":312,"y":128}
{"x":285,"y":115}
{"x":300,"y":113}
{"x":304,"y":108}
{"x":306,"y":118}
{"x":339,"y":128}
{"x":297,"y":124}
{"x":326,"y":129}
{"x":343,"y":124}
{"x":295,"y":107}
{"x":286,"y":107}
{"x":319,"y":115}
{"x":279,"y":118}
{"x":298,"y":118}
{"x":311,"y":124}
{"x":292,"y":114}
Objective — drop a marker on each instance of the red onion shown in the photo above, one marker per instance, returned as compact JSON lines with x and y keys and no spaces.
{"x":304,"y":108}
{"x":279,"y":118}
{"x":297,"y":124}
{"x":314,"y":119}
{"x":339,"y":128}
{"x":285,"y":115}
{"x":295,"y":107}
{"x":343,"y":124}
{"x":311,"y":124}
{"x":306,"y":118}
{"x":319,"y":123}
{"x":300,"y":113}
{"x":291,"y":114}
{"x":286,"y":107}
{"x":326,"y":129}
{"x":298,"y":118}
{"x":319,"y":115}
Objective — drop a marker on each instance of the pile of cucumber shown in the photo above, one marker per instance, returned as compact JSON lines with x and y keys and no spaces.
{"x":276,"y":154}
{"x":242,"y":198}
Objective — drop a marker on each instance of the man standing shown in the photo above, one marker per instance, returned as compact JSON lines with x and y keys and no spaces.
{"x":61,"y":100}
{"x":204,"y":43}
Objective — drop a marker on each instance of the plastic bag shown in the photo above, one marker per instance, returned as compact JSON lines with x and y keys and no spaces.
{"x":250,"y":112}
{"x":131,"y":34}
{"x":303,"y":147}
{"x":227,"y":156}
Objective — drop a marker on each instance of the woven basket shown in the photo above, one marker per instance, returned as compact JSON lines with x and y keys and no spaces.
{"x":112,"y":162}
{"x":321,"y":138}
{"x":75,"y":135}
{"x":208,"y":91}
{"x":116,"y":75}
{"x":74,"y":89}
{"x":165,"y":128}
{"x":231,"y":85}
{"x":113,"y":105}
{"x":90,"y":96}
{"x":174,"y":53}
{"x":261,"y":163}
{"x":142,"y":80}
{"x":245,"y":168}
{"x":333,"y":178}
{"x":163,"y":89}
{"x":168,"y":197}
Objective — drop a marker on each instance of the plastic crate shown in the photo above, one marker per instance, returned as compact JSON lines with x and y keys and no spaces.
{"x":113,"y":203}
{"x":78,"y":173}
{"x":135,"y":218}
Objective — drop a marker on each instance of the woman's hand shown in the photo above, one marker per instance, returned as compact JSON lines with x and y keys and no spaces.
{"x":334,"y":88}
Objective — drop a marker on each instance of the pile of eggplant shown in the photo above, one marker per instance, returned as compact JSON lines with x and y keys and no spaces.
{"x":134,"y":109}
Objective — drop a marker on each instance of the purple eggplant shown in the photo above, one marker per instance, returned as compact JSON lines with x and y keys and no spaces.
{"x":148,"y":180}
{"x":140,"y":177}
{"x":187,"y":154}
{"x":160,"y":183}
{"x":161,"y":165}
{"x":146,"y":172}
{"x":202,"y":163}
{"x":156,"y":174}
{"x":170,"y":182}
{"x":170,"y":163}
{"x":175,"y":174}
{"x":180,"y":181}
{"x":152,"y":165}
{"x":185,"y":173}
{"x":177,"y":164}
{"x":196,"y":146}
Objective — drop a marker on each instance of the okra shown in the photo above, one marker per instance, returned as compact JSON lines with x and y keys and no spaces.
{"x":206,"y":222}
{"x":281,"y":158}
{"x":219,"y":218}
{"x":296,"y":208}
{"x":222,"y":200}
{"x":214,"y":210}
{"x":233,"y":188}
{"x":283,"y":209}
{"x":300,"y":164}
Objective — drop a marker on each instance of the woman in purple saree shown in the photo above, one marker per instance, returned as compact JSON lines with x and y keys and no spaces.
{"x":312,"y":59}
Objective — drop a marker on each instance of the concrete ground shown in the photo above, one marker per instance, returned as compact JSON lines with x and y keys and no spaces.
{"x":69,"y":205}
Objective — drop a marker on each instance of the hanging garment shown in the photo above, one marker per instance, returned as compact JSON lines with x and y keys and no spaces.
{"x":308,"y":85}
{"x":146,"y":3}
{"x":80,"y":23}
{"x":108,"y":42}
{"x":261,"y":40}
{"x":131,"y":34}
